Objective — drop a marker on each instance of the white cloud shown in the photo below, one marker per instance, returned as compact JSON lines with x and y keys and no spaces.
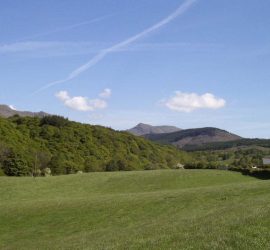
{"x":62,"y":95}
{"x":12,"y":107}
{"x":106,"y":93}
{"x":81,"y":103}
{"x":187,"y":102}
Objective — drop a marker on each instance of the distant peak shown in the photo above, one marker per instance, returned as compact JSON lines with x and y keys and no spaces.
{"x":143,"y":129}
{"x":143,"y":124}
{"x":10,"y":110}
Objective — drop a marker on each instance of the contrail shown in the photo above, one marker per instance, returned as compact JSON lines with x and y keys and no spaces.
{"x":67,"y":27}
{"x":179,"y":11}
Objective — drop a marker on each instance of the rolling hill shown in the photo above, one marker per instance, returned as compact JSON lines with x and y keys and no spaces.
{"x":28,"y":143}
{"x":6,"y":111}
{"x":244,"y":143}
{"x":162,"y":209}
{"x":193,"y":137}
{"x":143,"y":129}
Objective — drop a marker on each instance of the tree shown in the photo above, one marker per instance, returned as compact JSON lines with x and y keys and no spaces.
{"x":15,"y":165}
{"x":54,"y":120}
{"x":57,"y":165}
{"x":43,"y":158}
{"x":80,"y":146}
{"x":112,"y":166}
{"x":91,"y":164}
{"x":70,"y":167}
{"x":41,"y":161}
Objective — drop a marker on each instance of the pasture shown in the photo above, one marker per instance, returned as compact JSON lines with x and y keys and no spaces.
{"x":162,"y":209}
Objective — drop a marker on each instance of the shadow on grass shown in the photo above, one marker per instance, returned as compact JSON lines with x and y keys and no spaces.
{"x":260,"y":174}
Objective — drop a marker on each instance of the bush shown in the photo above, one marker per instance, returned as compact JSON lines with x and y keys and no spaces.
{"x":91,"y":164}
{"x":57,"y":165}
{"x":2,"y":173}
{"x":112,"y":166}
{"x":71,"y":167}
{"x":15,"y":165}
{"x":46,"y":172}
{"x":151,"y":167}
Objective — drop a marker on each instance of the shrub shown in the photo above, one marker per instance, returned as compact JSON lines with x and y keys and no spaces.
{"x":46,"y":172}
{"x":151,"y":167}
{"x":15,"y":165}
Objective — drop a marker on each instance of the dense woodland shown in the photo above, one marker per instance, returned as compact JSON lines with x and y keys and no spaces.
{"x":31,"y":146}
{"x":53,"y":144}
{"x":235,"y":158}
{"x":246,"y":159}
{"x":263,"y":143}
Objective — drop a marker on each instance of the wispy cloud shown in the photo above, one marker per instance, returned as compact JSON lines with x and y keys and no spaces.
{"x":49,"y":48}
{"x":66,"y":28}
{"x":82,"y":103}
{"x":25,"y":46}
{"x":106,"y":93}
{"x":167,"y":46}
{"x":103,"y":53}
{"x":59,"y":48}
{"x":187,"y":102}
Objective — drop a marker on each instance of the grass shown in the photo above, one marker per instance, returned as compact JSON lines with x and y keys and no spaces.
{"x":169,"y":209}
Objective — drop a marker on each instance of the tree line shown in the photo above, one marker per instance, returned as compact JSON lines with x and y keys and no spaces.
{"x":55,"y":145}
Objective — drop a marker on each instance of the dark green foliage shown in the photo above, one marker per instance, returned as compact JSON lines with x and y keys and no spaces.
{"x":92,"y":164}
{"x":245,"y":159}
{"x":150,"y":166}
{"x":68,"y":147}
{"x":15,"y":165}
{"x":57,"y":164}
{"x":230,"y":144}
{"x":2,"y":173}
{"x":54,"y":120}
{"x":71,"y":167}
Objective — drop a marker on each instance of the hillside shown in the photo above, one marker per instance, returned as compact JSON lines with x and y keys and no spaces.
{"x":190,"y":137}
{"x":162,"y":209}
{"x":30,"y":144}
{"x":143,"y":129}
{"x":262,"y":144}
{"x":6,"y":111}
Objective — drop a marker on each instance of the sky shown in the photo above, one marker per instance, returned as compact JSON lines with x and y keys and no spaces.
{"x":188,"y":63}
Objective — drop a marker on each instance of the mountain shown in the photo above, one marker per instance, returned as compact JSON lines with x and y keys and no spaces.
{"x":193,"y":137}
{"x":6,"y":111}
{"x":244,"y":143}
{"x":144,"y":129}
{"x":30,"y":144}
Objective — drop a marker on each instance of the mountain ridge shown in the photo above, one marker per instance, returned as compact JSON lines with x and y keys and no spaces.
{"x":6,"y":111}
{"x":143,"y":129}
{"x":181,"y":138}
{"x":195,"y":136}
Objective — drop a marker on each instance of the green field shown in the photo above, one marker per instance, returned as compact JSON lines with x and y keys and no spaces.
{"x":163,"y":209}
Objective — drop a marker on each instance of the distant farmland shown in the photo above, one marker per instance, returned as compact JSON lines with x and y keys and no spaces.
{"x":163,"y":209}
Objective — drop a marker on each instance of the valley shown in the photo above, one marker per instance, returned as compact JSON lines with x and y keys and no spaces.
{"x":161,"y":209}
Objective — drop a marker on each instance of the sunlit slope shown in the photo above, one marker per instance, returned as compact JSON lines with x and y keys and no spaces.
{"x":169,"y":209}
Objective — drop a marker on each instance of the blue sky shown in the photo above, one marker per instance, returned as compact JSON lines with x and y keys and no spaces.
{"x":190,"y":63}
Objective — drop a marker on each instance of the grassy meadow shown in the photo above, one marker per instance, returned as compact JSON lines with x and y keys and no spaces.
{"x":162,"y":209}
